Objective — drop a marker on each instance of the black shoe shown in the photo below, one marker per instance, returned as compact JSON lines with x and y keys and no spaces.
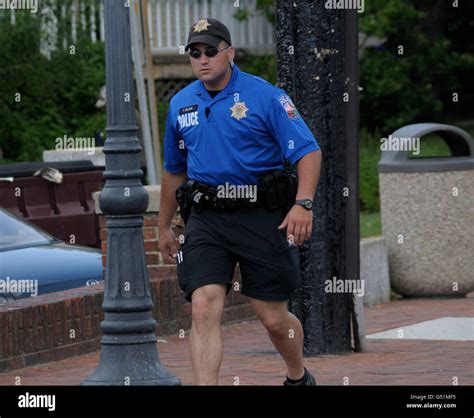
{"x":307,"y":380}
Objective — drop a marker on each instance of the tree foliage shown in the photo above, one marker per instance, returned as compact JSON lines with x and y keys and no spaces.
{"x":45,"y":99}
{"x":412,"y":76}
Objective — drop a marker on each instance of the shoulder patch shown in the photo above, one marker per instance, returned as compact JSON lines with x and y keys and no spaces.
{"x":289,"y":106}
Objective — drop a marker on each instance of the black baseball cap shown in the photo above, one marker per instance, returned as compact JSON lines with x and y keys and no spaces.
{"x":208,"y":31}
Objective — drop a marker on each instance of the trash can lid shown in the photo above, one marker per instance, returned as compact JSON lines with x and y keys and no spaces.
{"x":459,"y":142}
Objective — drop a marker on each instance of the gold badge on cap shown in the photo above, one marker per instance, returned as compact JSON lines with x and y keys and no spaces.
{"x":201,"y":25}
{"x":239,"y":110}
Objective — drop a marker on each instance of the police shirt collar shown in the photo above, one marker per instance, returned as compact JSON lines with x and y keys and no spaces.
{"x":232,"y":86}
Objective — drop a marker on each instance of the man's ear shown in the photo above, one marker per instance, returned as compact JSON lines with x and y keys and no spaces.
{"x":231,"y":54}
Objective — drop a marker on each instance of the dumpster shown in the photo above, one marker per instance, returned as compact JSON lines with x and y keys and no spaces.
{"x":65,"y":209}
{"x":427,"y":209}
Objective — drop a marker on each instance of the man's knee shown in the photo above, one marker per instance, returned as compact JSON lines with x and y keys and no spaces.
{"x":275,"y":325}
{"x":273,"y":316}
{"x":208,"y":303}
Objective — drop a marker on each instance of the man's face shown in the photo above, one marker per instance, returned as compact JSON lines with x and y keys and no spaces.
{"x":209,"y":69}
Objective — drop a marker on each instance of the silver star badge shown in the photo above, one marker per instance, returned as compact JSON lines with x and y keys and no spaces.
{"x":201,"y":25}
{"x":239,"y":110}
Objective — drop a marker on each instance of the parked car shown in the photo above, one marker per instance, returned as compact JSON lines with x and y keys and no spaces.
{"x":33,"y":262}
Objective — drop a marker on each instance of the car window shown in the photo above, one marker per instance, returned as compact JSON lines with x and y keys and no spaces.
{"x":14,"y":232}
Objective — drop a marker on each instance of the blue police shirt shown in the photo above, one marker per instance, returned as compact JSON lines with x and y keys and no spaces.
{"x":248,"y":128}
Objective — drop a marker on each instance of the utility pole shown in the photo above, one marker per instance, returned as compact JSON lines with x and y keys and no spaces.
{"x":317,"y":52}
{"x":152,"y":99}
{"x":137,"y":55}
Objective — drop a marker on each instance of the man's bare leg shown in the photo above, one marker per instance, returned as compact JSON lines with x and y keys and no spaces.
{"x":206,"y":337}
{"x":285,"y":331}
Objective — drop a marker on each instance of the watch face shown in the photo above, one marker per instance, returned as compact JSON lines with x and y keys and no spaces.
{"x":308,"y":204}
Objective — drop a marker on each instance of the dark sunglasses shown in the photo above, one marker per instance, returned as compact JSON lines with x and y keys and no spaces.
{"x":210,"y":52}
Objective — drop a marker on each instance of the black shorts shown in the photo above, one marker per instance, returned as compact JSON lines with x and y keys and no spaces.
{"x":215,"y":240}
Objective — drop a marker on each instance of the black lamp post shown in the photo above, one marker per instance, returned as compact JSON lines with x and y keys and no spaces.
{"x":129,"y":354}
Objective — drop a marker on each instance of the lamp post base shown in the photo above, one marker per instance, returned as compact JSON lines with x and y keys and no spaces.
{"x":146,"y":370}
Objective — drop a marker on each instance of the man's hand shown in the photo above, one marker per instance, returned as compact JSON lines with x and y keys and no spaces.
{"x":299,"y":221}
{"x":299,"y":224}
{"x":167,"y":245}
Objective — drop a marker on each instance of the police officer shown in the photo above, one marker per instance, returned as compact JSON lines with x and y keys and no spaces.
{"x":224,"y":131}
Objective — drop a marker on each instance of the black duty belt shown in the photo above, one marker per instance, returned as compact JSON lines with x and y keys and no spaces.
{"x":274,"y":190}
{"x":203,"y":196}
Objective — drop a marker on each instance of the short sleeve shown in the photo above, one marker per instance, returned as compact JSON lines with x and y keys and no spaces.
{"x":174,"y":150}
{"x":289,"y":129}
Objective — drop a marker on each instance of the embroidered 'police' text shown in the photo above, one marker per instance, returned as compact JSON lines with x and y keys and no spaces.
{"x":188,"y":119}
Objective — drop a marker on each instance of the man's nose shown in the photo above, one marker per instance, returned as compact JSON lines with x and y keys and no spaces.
{"x":203,"y":59}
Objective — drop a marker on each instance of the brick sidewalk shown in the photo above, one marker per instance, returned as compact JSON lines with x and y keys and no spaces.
{"x":250,"y":356}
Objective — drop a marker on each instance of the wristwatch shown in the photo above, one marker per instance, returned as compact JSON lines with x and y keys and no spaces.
{"x":306,"y":203}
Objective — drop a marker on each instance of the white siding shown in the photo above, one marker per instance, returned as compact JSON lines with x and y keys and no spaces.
{"x":170,"y":21}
